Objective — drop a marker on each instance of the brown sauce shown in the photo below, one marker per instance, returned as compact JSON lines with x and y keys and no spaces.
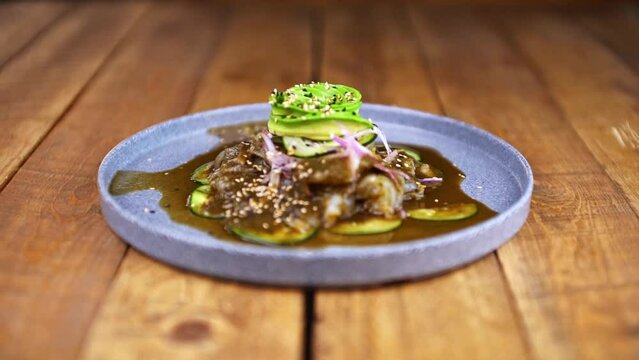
{"x":175,"y":186}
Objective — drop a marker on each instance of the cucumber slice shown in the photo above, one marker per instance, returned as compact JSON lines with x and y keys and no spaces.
{"x":201,"y":174}
{"x":278,"y":236}
{"x":366,"y":226}
{"x":412,"y":153}
{"x":304,"y":148}
{"x":199,"y":200}
{"x":445,"y":213}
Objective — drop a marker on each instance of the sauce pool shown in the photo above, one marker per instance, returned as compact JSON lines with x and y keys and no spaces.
{"x":175,"y":185}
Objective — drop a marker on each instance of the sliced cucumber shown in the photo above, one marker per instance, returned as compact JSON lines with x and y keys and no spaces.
{"x":201,"y":174}
{"x":304,"y":148}
{"x":280,"y":235}
{"x":199,"y":202}
{"x":366,"y":226}
{"x":412,"y":153}
{"x":445,"y":213}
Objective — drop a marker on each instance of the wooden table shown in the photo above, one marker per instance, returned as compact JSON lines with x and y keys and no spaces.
{"x":562,"y":86}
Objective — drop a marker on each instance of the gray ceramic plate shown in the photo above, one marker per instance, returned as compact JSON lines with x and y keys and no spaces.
{"x":497,"y":175}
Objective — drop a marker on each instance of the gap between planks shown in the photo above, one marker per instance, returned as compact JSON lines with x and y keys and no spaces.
{"x":34,"y":254}
{"x":227,"y":80}
{"x":211,"y":52}
{"x":356,"y":323}
{"x":36,"y":26}
{"x":543,"y":63}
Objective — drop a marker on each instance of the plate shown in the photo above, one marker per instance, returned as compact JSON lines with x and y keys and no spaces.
{"x":496,"y":174}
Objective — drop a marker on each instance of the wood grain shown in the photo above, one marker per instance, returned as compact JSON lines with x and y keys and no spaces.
{"x":157,"y":312}
{"x":40,"y":84}
{"x":154,"y":311}
{"x":263,"y":48}
{"x":617,"y":27}
{"x":598,"y":93}
{"x":20,"y":22}
{"x":58,"y":257}
{"x":375,"y":51}
{"x":567,"y":245}
{"x":562,"y":86}
{"x":416,"y":320}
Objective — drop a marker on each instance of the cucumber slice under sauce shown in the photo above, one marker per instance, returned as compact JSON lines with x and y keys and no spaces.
{"x":201,"y":174}
{"x":281,"y":235}
{"x":199,"y":203}
{"x":366,"y":226}
{"x":445,"y":213}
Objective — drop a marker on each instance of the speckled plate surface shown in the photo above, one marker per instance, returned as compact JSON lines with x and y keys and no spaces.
{"x":497,"y":175}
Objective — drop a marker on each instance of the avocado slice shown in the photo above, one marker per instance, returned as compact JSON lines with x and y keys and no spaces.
{"x":316,"y":111}
{"x":305,"y":148}
{"x":317,"y":129}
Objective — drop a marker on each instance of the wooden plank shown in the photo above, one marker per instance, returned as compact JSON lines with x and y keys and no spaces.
{"x":568,"y":245}
{"x":154,"y":311}
{"x":57,"y":256}
{"x":20,"y":22}
{"x":190,"y":316}
{"x":393,"y":71}
{"x":265,"y":47}
{"x":595,"y":89}
{"x":598,"y":95}
{"x":617,"y":27}
{"x":463,"y":314}
{"x":41,"y":83}
{"x":571,"y":270}
{"x":416,"y":320}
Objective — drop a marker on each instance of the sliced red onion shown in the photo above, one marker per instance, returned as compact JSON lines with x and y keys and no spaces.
{"x":390,"y":154}
{"x":340,"y":141}
{"x":280,"y":162}
{"x":388,"y":172}
{"x":268,"y":143}
{"x":392,"y":173}
{"x":351,"y":145}
{"x":431,"y":180}
{"x":363,"y":132}
{"x":391,"y":157}
{"x":382,"y":137}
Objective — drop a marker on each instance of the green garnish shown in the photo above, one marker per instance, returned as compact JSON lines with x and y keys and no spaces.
{"x":316,"y":111}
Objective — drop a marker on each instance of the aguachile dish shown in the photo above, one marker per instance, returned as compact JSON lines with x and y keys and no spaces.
{"x":317,"y":173}
{"x":316,"y":166}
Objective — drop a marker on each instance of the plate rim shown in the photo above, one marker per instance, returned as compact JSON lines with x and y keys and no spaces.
{"x":329,"y":251}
